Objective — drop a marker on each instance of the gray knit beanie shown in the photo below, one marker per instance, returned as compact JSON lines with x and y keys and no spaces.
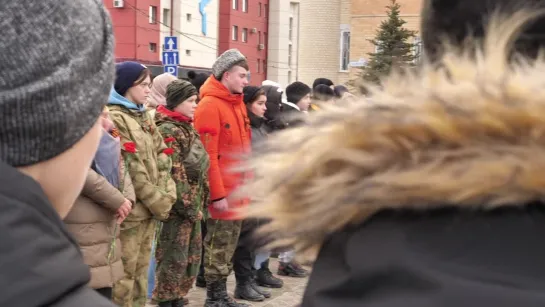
{"x":56,"y":59}
{"x":226,"y":61}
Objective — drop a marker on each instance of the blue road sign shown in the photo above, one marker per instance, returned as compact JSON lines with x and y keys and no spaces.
{"x":173,"y":70}
{"x":171,"y":43}
{"x":171,"y":58}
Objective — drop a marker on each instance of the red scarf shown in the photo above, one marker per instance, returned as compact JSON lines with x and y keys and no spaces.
{"x":174,"y":115}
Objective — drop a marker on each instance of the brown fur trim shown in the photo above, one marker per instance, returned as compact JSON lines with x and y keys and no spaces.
{"x":470,"y":134}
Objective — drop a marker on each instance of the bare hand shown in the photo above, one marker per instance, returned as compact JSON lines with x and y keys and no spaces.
{"x":199,"y":216}
{"x":124,"y":210}
{"x":221,"y":205}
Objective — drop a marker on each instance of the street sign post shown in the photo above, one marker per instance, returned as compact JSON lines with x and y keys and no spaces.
{"x":171,"y":56}
{"x":173,"y":70}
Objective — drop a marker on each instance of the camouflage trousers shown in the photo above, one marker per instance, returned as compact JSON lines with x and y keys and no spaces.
{"x":136,"y":241}
{"x":219,"y":247}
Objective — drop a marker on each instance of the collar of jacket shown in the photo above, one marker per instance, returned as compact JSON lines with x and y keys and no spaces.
{"x":469,"y":133}
{"x":173,"y":115}
{"x":256,"y":121}
{"x":291,"y":104}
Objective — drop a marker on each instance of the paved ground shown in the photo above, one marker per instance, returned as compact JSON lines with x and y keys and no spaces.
{"x":289,"y":296}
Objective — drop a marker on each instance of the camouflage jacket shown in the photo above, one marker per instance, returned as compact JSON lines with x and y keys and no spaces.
{"x":148,"y":167}
{"x":190,"y":164}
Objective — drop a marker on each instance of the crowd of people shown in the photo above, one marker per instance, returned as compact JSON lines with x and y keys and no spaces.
{"x":159,"y":191}
{"x":427,"y":193}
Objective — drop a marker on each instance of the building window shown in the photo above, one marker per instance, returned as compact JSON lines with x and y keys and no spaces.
{"x":259,"y":37}
{"x":153,"y":47}
{"x":152,"y":14}
{"x":188,"y":17}
{"x":266,"y":10}
{"x":259,"y":10}
{"x":235,"y":33}
{"x":265,"y":39}
{"x":290,"y":54}
{"x":345,"y":50}
{"x":188,"y":52}
{"x":166,"y":17}
{"x":235,"y":4}
{"x":245,"y":5}
{"x":245,"y":35}
{"x":290,"y":81}
{"x":291,"y":29}
{"x":258,"y":65}
{"x":265,"y":68}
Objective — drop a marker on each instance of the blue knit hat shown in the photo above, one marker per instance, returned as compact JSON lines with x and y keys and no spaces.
{"x":126,"y":73}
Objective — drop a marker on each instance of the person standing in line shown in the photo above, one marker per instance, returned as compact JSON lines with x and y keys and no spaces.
{"x":158,"y":91}
{"x":57,"y":66}
{"x":105,"y":201}
{"x":179,"y":246}
{"x":143,"y":149}
{"x":156,"y":98}
{"x":223,"y":124}
{"x":298,"y":101}
{"x":243,"y":259}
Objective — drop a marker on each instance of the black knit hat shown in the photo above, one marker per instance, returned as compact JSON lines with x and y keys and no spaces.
{"x":126,"y":73}
{"x":250,"y":93}
{"x":296,"y":91}
{"x":459,"y":19}
{"x":179,"y":91}
{"x":323,"y":81}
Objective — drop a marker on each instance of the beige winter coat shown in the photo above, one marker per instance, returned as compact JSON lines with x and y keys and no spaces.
{"x":92,"y":222}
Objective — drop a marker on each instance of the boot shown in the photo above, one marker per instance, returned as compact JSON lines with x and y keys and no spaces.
{"x":216,"y":296}
{"x":256,"y":287}
{"x":201,"y":282}
{"x":265,"y":278}
{"x":166,"y":304}
{"x":292,"y":269}
{"x":245,"y":291}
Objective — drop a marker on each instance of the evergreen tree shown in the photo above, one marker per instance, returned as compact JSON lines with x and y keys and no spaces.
{"x":393,"y":48}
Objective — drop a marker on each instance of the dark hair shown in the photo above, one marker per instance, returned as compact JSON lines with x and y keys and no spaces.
{"x":191,"y":75}
{"x":143,"y":75}
{"x":340,"y":90}
{"x":259,"y":93}
{"x":199,"y":80}
{"x":323,"y":81}
{"x":464,"y":24}
{"x":323,"y":92}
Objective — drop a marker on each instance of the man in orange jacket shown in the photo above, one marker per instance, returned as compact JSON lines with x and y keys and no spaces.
{"x":224,"y":127}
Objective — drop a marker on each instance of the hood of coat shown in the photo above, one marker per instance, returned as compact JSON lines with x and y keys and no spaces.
{"x":467,"y":133}
{"x":116,"y":99}
{"x":214,"y":88}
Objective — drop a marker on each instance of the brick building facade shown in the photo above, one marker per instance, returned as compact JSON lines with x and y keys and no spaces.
{"x":365,"y":19}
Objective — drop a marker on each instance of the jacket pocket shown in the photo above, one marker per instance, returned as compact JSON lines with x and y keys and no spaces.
{"x":226,"y":135}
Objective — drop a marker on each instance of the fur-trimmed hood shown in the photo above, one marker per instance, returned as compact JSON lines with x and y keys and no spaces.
{"x":469,"y":133}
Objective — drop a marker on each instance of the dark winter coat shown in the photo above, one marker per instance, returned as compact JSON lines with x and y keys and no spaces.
{"x":40,"y":262}
{"x":429,"y":195}
{"x":259,"y":129}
